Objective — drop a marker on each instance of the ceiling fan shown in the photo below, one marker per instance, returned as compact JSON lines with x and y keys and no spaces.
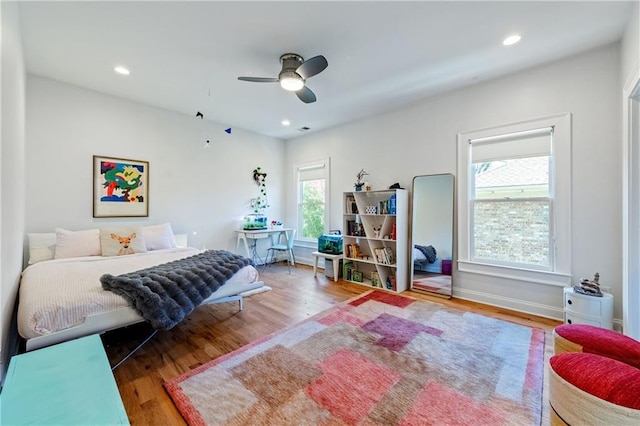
{"x":295,"y":70}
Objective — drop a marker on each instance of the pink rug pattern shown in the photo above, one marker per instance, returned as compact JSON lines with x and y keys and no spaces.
{"x":379,"y":359}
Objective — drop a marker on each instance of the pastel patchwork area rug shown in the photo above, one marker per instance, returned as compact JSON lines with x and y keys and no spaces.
{"x":379,"y":359}
{"x":435,"y":284}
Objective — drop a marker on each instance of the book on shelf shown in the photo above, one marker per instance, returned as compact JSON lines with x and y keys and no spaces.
{"x":355,"y":229}
{"x":350,"y":205}
{"x":375,"y":279}
{"x":378,"y":254}
{"x":347,"y":270}
{"x":352,"y":250}
{"x":391,"y":282}
{"x":384,"y":255}
{"x":388,"y":256}
{"x":351,"y":227}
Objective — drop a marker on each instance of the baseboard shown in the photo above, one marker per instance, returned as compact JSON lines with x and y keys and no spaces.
{"x":519,"y":305}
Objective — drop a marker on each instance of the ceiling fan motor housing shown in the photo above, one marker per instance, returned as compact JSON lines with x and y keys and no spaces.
{"x":290,"y":63}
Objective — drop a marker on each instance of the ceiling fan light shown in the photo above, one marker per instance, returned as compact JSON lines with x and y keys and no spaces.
{"x":291,"y":81}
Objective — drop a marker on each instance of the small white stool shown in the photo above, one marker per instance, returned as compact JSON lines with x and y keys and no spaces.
{"x":335,"y":258}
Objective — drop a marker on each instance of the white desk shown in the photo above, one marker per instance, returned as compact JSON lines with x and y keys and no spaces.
{"x":244,"y":235}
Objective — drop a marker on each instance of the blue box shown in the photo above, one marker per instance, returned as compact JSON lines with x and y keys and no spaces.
{"x":331,"y":244}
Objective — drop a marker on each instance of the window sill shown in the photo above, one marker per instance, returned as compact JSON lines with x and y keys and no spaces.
{"x":306,"y":244}
{"x":529,"y":275}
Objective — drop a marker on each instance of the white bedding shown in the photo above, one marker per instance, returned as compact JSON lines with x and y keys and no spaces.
{"x":60,"y":294}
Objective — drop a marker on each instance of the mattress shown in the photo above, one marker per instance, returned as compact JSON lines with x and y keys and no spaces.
{"x":60,"y":294}
{"x":423,"y":265}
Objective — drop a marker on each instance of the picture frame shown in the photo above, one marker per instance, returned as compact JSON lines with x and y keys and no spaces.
{"x":120,"y":187}
{"x":357,"y":276}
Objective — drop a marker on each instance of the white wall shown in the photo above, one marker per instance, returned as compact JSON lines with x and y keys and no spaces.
{"x":12,"y":197}
{"x":630,"y":79}
{"x":194,"y":188}
{"x":421,"y":139}
{"x":630,"y":45}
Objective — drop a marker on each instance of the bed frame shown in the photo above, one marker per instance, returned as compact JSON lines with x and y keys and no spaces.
{"x":123,"y":317}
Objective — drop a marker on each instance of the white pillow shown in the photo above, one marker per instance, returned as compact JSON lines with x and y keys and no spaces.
{"x":122,"y":241}
{"x":77,"y":243}
{"x":42,"y":246}
{"x":157,"y":237}
{"x":181,"y":240}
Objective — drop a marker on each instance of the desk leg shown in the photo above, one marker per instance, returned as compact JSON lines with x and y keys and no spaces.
{"x":315,"y":266}
{"x":336,"y":267}
{"x":243,"y":238}
{"x":257,"y":260}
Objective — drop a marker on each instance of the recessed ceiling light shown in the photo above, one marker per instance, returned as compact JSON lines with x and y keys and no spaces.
{"x":286,"y":122}
{"x":512,"y":39}
{"x":121,"y":70}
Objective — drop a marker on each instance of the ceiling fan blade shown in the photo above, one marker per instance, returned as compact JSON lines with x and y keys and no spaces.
{"x":260,"y":79}
{"x":306,"y":95}
{"x":312,"y":66}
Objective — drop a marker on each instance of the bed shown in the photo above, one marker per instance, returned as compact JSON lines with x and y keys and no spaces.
{"x":62,"y":298}
{"x":423,"y":265}
{"x":425,"y":259}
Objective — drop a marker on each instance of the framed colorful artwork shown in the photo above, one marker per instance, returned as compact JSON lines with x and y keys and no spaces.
{"x":120,"y":187}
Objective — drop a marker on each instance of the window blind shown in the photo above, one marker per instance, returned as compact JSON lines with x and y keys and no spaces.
{"x":532,"y":143}
{"x":314,"y":172}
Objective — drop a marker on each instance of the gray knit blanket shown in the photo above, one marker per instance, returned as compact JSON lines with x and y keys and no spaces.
{"x":428,"y":251}
{"x":165,"y":294}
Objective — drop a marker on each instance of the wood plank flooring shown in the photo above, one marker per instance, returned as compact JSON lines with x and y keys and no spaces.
{"x":212,"y":331}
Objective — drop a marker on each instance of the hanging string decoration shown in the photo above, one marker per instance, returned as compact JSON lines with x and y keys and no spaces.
{"x":260,"y":178}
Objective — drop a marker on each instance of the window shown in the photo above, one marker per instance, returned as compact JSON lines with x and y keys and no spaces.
{"x":514,"y":200}
{"x":312,"y":189}
{"x":510,"y":200}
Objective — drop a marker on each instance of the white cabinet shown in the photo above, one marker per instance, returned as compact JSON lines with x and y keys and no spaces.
{"x":375,"y":232}
{"x":584,"y":309}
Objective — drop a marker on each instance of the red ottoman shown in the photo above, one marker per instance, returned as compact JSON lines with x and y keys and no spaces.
{"x":588,"y":389}
{"x":596,"y":340}
{"x":594,"y":377}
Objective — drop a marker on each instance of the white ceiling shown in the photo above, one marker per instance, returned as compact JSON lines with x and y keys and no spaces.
{"x":186,"y":56}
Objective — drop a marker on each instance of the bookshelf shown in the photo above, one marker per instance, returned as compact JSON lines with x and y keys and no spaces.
{"x":375,"y":232}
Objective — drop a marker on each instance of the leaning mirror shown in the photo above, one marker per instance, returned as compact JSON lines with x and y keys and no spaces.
{"x":432,"y":234}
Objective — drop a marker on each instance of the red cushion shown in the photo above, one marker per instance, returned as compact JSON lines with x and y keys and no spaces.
{"x":602,"y":341}
{"x":602,"y":377}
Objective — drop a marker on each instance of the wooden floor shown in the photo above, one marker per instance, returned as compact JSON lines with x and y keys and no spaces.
{"x":212,"y":331}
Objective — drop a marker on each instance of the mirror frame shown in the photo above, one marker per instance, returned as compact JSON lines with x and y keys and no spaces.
{"x":412,"y":239}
